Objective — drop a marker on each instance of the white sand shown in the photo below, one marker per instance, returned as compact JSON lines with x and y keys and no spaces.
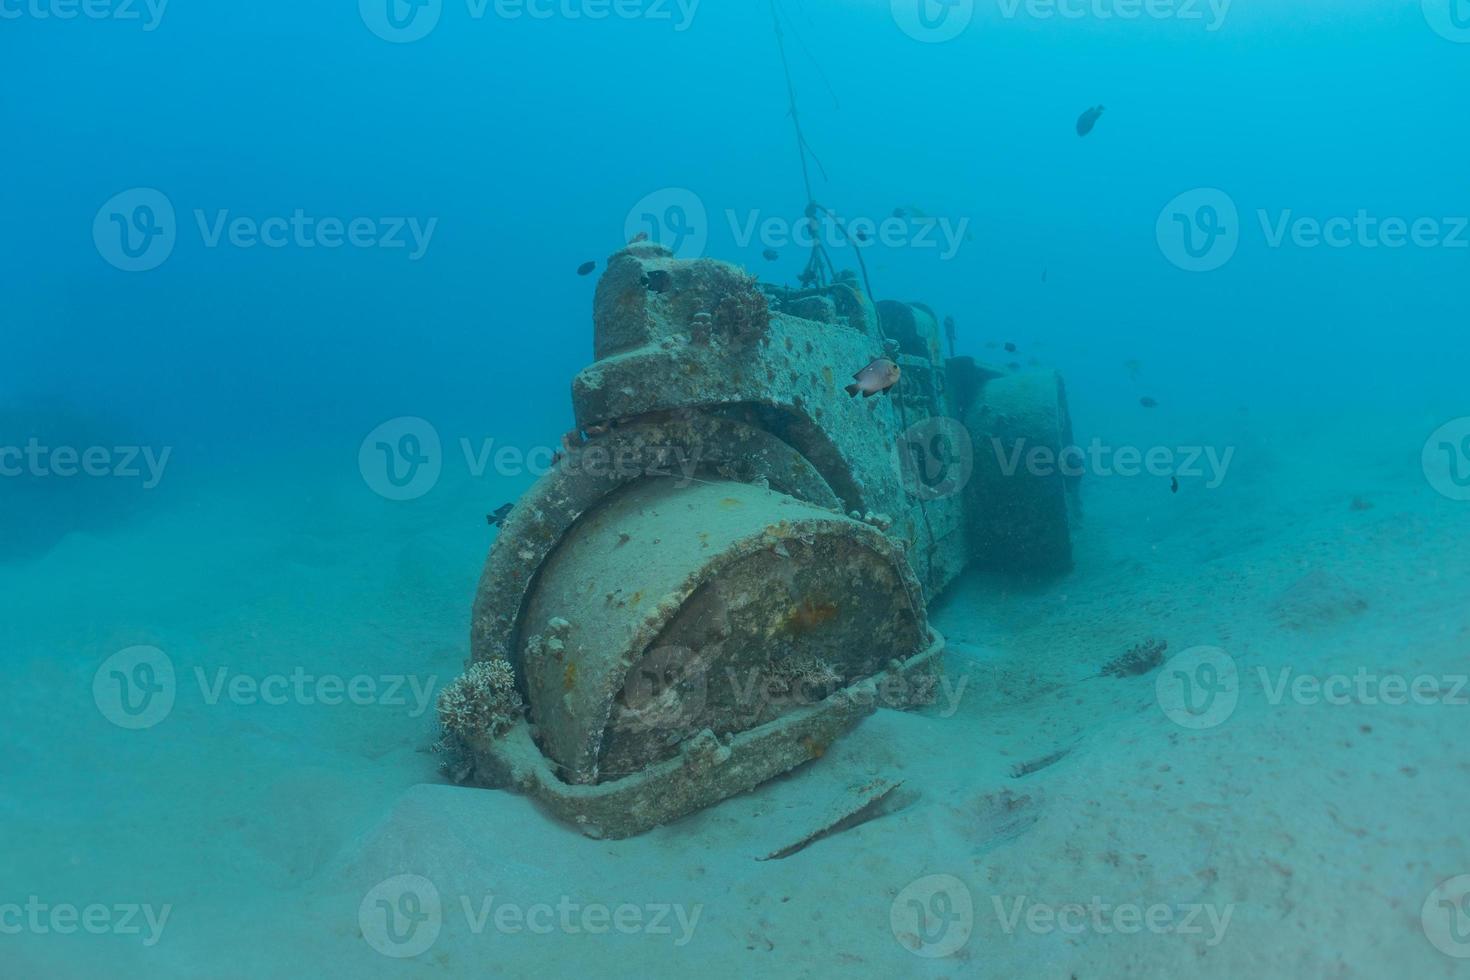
{"x":1319,"y":829}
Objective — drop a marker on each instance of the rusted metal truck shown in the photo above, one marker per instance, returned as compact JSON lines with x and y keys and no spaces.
{"x":731,"y":564}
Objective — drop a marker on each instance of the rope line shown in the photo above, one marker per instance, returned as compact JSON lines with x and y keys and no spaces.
{"x":820,"y":267}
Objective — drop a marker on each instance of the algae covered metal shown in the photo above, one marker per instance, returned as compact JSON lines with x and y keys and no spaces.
{"x":732,"y":566}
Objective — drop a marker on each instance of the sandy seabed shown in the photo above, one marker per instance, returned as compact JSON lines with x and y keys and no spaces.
{"x":1051,"y":822}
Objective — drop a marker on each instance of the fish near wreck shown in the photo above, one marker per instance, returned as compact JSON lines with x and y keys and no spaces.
{"x":877,"y":378}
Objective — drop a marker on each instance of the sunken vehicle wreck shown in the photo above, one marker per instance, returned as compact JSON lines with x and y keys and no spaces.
{"x":730,"y":567}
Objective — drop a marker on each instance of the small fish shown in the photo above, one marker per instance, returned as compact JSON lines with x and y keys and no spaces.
{"x":497,"y":519}
{"x":1043,"y":275}
{"x":1148,"y":402}
{"x":586,"y":268}
{"x":991,"y":345}
{"x":1014,"y":366}
{"x":861,"y":236}
{"x":1088,"y":119}
{"x":1010,"y":347}
{"x":642,"y":236}
{"x":657,"y":281}
{"x":949,"y":333}
{"x":1134,"y":367}
{"x":1174,"y":484}
{"x":770,"y":255}
{"x":900,"y":213}
{"x":878,"y":377}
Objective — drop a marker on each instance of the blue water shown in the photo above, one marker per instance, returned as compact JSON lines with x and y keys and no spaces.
{"x":519,"y":147}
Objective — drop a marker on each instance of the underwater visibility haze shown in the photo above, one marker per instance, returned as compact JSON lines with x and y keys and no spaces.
{"x":795,"y":488}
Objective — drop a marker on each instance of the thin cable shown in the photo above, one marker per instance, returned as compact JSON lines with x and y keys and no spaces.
{"x":816,"y":273}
